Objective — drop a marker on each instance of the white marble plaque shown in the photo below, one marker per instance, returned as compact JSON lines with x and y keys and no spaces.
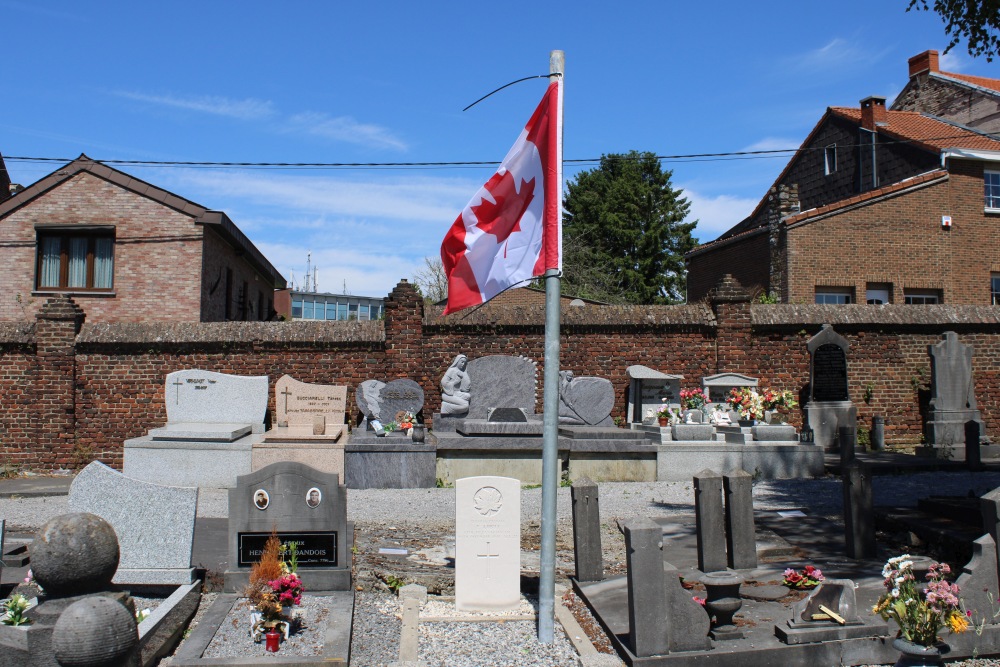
{"x":487,"y":543}
{"x":300,"y":403}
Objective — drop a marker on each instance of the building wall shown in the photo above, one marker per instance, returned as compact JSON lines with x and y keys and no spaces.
{"x":747,"y":260}
{"x":219,"y":256}
{"x":72,"y":392}
{"x":157,"y":254}
{"x":954,"y":102}
{"x":900,"y":241}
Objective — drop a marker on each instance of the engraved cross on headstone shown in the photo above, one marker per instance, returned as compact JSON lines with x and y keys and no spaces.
{"x":286,"y":394}
{"x":178,"y":384}
{"x":487,"y":556}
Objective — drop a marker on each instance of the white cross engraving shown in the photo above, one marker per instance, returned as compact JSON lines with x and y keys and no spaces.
{"x":487,"y":556}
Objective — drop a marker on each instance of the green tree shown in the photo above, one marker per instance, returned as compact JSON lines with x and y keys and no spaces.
{"x":977,"y":21}
{"x":624,"y":235}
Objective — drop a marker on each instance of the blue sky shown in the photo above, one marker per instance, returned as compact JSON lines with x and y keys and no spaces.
{"x":386,"y":82}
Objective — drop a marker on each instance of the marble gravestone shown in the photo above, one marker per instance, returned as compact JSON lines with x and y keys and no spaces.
{"x":487,"y":543}
{"x":585,"y":401}
{"x":953,"y":393}
{"x":648,"y":390}
{"x":501,"y":381}
{"x":154,"y":523}
{"x":829,"y":406}
{"x":304,"y":506}
{"x":213,"y":421}
{"x":387,"y":401}
{"x":305,"y":408}
{"x":310,"y":426}
{"x":718,"y":386}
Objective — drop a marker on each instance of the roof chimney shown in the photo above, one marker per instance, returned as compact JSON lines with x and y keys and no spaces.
{"x":924,"y":62}
{"x":873,"y":112}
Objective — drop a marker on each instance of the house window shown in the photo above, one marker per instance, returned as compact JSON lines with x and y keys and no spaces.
{"x":995,"y":289}
{"x":877,"y":294}
{"x":835,"y":295}
{"x":78,"y":260}
{"x":830,"y":159}
{"x":991,"y":183}
{"x":921,"y":297}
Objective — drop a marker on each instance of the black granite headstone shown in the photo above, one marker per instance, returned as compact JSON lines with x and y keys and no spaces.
{"x":829,"y":380}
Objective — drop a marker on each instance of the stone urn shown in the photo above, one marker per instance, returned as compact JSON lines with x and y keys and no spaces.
{"x":418,"y":433}
{"x":722,"y":598}
{"x":912,"y":654}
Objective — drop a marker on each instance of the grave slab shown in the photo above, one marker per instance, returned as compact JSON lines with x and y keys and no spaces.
{"x":154,"y":523}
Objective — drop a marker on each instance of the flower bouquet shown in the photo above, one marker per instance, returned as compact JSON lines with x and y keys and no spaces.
{"x":693,"y":399}
{"x":920,"y":613}
{"x":778,"y":400}
{"x":273,"y":586}
{"x":747,"y":402}
{"x":804,"y":579}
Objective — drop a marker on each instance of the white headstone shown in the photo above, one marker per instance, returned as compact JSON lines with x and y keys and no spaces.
{"x":197,"y":396}
{"x":487,"y":543}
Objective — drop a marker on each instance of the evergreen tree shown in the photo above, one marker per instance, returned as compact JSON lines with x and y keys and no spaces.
{"x":624,"y":235}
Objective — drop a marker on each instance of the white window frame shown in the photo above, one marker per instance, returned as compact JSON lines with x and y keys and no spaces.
{"x":991,"y":190}
{"x":836,"y":296}
{"x":923,"y":296}
{"x":830,"y":159}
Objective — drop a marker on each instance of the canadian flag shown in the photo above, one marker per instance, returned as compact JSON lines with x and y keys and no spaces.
{"x":509,"y":232}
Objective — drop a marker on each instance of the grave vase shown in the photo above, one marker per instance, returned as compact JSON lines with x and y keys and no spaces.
{"x":663,"y":421}
{"x":915,"y":655}
{"x":272,"y":641}
{"x":418,"y":433}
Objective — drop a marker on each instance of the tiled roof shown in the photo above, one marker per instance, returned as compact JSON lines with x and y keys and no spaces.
{"x":201,"y":215}
{"x":924,"y":131}
{"x":937,"y":174}
{"x":981,"y":81}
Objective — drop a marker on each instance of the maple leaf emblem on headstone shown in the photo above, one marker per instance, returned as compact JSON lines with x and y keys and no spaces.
{"x":502,"y":218}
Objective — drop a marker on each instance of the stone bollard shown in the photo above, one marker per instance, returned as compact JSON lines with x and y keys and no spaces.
{"x":847,"y":437}
{"x":647,"y":604}
{"x":878,"y":433}
{"x":709,"y":518}
{"x":859,"y":521}
{"x":587,"y":553}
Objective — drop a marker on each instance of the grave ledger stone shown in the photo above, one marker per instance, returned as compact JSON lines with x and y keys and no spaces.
{"x":154,"y":523}
{"x":304,"y":506}
{"x":310,"y":426}
{"x":487,"y":543}
{"x":213,"y":421}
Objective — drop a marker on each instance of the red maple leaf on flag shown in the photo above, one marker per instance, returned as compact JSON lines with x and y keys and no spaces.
{"x":501,"y":218}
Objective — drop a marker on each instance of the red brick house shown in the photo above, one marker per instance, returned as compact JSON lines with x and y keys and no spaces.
{"x":126,"y":251}
{"x":877,"y":206}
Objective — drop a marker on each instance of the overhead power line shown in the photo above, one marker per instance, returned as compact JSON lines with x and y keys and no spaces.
{"x":691,"y":157}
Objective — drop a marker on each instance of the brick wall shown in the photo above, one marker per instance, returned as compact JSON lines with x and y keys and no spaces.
{"x":951,"y":101}
{"x":74,"y":392}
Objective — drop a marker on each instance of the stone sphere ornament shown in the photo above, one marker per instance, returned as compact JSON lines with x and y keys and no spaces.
{"x":74,"y":554}
{"x":95,"y":632}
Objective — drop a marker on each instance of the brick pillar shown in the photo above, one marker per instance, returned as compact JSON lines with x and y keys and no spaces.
{"x":733,"y":337}
{"x":783,"y":201}
{"x":57,"y":324}
{"x":404,"y":332}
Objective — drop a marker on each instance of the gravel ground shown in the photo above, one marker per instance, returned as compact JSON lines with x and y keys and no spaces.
{"x":233,"y":639}
{"x":376,"y":632}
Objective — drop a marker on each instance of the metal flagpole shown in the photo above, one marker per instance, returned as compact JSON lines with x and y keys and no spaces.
{"x":550,"y":439}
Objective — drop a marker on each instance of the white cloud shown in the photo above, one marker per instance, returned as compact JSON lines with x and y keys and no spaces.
{"x":951,"y":62}
{"x":716,"y":214}
{"x":343,"y":128}
{"x":417,"y":198}
{"x":837,"y":54}
{"x":773,"y":144}
{"x":248,"y":109}
{"x":371,"y":270}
